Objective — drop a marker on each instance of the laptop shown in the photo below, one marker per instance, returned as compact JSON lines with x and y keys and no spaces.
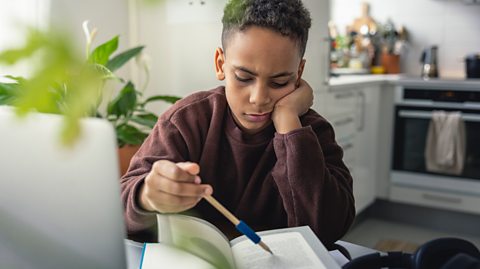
{"x":60,"y":207}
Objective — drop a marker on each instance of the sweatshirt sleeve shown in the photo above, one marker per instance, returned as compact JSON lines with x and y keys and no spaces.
{"x":314,"y":183}
{"x":164,"y":142}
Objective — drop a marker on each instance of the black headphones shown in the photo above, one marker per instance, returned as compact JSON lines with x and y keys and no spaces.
{"x":442,"y":253}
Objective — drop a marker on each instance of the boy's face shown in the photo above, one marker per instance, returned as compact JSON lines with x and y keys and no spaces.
{"x":259,"y":67}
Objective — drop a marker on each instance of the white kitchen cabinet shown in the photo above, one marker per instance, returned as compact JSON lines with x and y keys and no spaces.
{"x":353,"y":112}
{"x":366,"y":143}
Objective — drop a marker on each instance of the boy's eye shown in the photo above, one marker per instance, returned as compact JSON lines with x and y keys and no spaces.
{"x":279,"y":85}
{"x":242,"y":79}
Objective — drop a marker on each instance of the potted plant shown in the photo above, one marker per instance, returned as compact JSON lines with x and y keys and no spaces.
{"x":63,"y":83}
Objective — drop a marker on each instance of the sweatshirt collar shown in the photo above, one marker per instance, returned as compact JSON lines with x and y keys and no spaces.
{"x":236,"y":133}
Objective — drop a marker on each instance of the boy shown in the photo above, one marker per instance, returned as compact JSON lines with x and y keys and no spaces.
{"x":254,"y":143}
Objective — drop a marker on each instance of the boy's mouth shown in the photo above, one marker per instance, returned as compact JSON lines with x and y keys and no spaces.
{"x":258,"y":117}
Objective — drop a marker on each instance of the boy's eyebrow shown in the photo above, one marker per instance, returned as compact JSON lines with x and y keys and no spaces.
{"x":281,"y":74}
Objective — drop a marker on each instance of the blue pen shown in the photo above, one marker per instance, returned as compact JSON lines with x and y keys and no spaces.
{"x":240,"y":225}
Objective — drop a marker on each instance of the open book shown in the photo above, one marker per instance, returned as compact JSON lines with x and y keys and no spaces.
{"x":189,"y":242}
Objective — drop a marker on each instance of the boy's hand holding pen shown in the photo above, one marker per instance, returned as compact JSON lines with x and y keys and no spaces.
{"x":172,"y":187}
{"x":175,"y":187}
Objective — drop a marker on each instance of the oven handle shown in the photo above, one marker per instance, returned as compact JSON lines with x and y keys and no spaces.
{"x":419,"y":114}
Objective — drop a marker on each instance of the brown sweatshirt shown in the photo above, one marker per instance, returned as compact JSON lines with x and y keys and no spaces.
{"x":269,"y":180}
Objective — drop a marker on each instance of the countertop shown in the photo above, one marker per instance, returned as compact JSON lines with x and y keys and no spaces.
{"x":363,"y":79}
{"x":403,"y":80}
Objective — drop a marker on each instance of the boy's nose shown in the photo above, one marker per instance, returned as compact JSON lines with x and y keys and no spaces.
{"x":259,"y":96}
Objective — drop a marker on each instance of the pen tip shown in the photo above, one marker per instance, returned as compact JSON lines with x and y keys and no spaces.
{"x":265,"y":247}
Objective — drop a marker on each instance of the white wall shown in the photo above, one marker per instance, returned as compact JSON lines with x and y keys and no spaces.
{"x":109,"y":16}
{"x":450,"y":24}
{"x":14,"y":17}
{"x":180,"y":48}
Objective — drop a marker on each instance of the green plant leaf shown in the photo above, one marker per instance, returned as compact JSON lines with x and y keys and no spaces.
{"x":70,"y":130}
{"x":120,"y":59}
{"x":129,"y":135}
{"x":101,"y":53}
{"x":148,"y":119}
{"x":125,"y":102}
{"x":60,"y":81}
{"x":167,"y":98}
{"x":17,"y":79}
{"x":106,"y":73}
{"x":54,"y":64}
{"x":7,"y":93}
{"x":35,"y":41}
{"x":64,"y":83}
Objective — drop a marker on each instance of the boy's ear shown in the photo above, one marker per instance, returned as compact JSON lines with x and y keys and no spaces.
{"x":219,"y":62}
{"x":300,"y":71}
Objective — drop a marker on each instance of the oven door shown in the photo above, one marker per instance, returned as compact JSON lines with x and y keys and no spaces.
{"x":409,"y":165}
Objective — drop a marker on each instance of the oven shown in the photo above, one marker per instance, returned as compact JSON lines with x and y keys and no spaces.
{"x":413,"y":111}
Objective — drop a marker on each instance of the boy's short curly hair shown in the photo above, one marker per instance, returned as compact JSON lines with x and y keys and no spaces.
{"x":287,"y":17}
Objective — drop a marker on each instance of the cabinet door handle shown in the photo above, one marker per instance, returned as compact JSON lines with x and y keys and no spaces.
{"x":361,"y":124}
{"x":419,"y":114}
{"x":326,"y":60}
{"x":344,"y":95}
{"x":347,"y":146}
{"x":343,"y":121}
{"x":439,"y":198}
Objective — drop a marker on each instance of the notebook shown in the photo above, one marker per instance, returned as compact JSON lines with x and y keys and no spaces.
{"x":189,"y":242}
{"x":59,"y":207}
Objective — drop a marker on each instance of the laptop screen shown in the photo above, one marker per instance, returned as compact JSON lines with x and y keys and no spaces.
{"x":60,"y":206}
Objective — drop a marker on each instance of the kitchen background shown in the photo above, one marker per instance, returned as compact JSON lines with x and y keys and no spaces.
{"x":168,"y":28}
{"x":180,"y":38}
{"x":452,"y":25}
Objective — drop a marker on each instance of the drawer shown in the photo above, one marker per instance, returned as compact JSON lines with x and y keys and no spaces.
{"x":436,"y":199}
{"x":348,"y":153}
{"x":341,"y":102}
{"x":343,"y":125}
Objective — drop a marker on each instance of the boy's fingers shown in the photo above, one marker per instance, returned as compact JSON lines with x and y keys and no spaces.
{"x":190,"y":167}
{"x":168,"y":203}
{"x":302,"y":83}
{"x":170,"y":170}
{"x":180,"y":188}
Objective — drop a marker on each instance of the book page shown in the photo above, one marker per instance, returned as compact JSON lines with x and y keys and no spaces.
{"x":338,"y":257}
{"x":162,"y":256}
{"x":290,"y":251}
{"x":198,"y":237}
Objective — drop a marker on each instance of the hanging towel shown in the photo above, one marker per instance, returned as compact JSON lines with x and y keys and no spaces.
{"x":445,"y":145}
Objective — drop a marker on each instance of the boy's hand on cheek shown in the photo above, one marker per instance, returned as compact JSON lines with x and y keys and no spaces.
{"x":172,"y":187}
{"x":288,"y":109}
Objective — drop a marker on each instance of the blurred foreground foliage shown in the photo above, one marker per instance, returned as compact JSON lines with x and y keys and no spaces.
{"x":62,"y":82}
